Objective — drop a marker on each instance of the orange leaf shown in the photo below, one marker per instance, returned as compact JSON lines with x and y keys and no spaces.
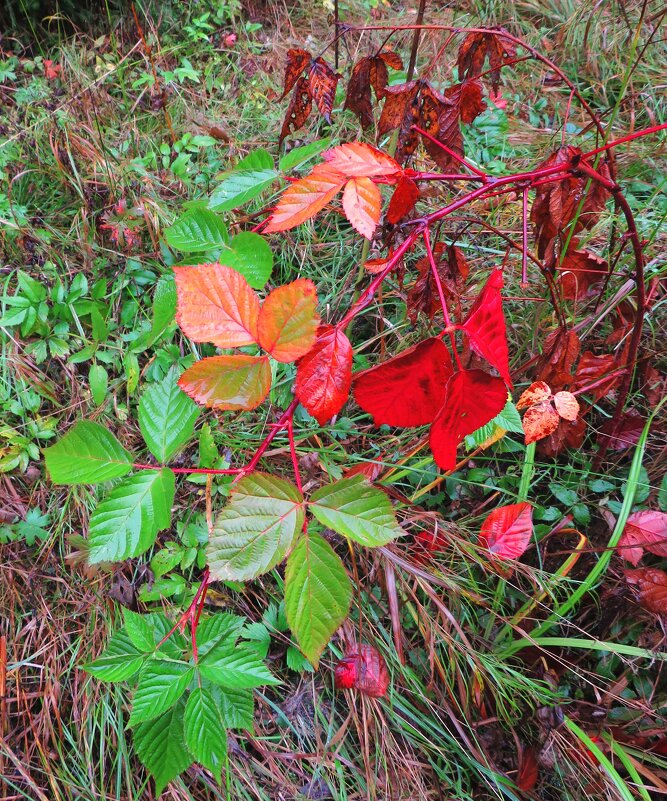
{"x":324,"y":375}
{"x":228,"y":382}
{"x":303,"y":199}
{"x":566,"y":405}
{"x":288,"y":321}
{"x":539,"y":421}
{"x":362,"y":203}
{"x":537,"y":392}
{"x":216,"y":304}
{"x":359,"y":160}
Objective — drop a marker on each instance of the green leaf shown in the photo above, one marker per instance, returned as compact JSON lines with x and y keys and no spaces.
{"x":566,"y":496}
{"x":356,"y":509}
{"x":160,"y":745}
{"x":250,"y":178}
{"x":235,"y":705}
{"x":235,"y":667}
{"x":509,"y":420}
{"x":139,"y":630}
{"x":164,"y":311}
{"x":317,"y":594}
{"x":296,"y":661}
{"x":205,"y":734}
{"x":249,"y":254}
{"x":87,"y":454}
{"x":196,"y":231}
{"x":662,"y":494}
{"x":300,"y":155}
{"x":216,"y":629}
{"x":120,"y":661}
{"x":254,"y":532}
{"x":98,"y":378}
{"x":125,"y":523}
{"x":161,"y":683}
{"x":167,"y":417}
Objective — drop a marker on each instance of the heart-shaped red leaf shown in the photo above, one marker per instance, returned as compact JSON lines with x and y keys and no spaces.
{"x":324,"y":375}
{"x":506,"y":532}
{"x":485,"y":325}
{"x":409,"y":389}
{"x":644,"y":530}
{"x":472,"y":399}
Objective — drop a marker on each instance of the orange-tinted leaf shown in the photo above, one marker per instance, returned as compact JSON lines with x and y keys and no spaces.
{"x":391,"y":59}
{"x":363,"y":668}
{"x":407,"y":390}
{"x":362,"y":204}
{"x":592,"y":368}
{"x":359,"y":160}
{"x":298,"y":110}
{"x":228,"y":382}
{"x":644,"y":530}
{"x":485,"y":325}
{"x":650,"y":588}
{"x":297,"y":61}
{"x":506,"y":532}
{"x":537,"y":392}
{"x":401,"y":110}
{"x":304,"y":198}
{"x":540,"y":421}
{"x":566,"y":405}
{"x":216,"y":304}
{"x":472,"y":399}
{"x":474,"y":49}
{"x":322,"y":82}
{"x":369,"y":469}
{"x":560,"y":353}
{"x":579,"y":271}
{"x":468,"y":97}
{"x":288,"y":321}
{"x":324,"y":375}
{"x":403,"y":200}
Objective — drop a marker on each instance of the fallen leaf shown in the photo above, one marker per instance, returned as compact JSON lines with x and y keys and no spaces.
{"x":409,"y":389}
{"x":507,"y":531}
{"x":363,"y":668}
{"x":528,"y":770}
{"x":569,"y":435}
{"x":324,"y":374}
{"x":650,"y":588}
{"x":645,"y":530}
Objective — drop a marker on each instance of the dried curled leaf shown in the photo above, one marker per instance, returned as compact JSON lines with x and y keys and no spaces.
{"x":477,"y":46}
{"x":298,"y":110}
{"x":363,"y":668}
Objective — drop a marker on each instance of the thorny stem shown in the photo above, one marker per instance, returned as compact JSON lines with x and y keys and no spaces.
{"x":479,"y":173}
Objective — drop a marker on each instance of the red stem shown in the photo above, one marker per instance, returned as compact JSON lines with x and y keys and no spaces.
{"x":441,"y":294}
{"x":479,"y":173}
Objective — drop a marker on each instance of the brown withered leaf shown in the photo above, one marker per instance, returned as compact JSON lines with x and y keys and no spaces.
{"x":477,"y":46}
{"x":423,"y":295}
{"x":556,"y":203}
{"x":561,"y":350}
{"x":627,"y":434}
{"x":569,"y":435}
{"x":461,"y":103}
{"x":322,"y":81}
{"x":401,"y":110}
{"x":369,"y":72}
{"x":649,"y":586}
{"x":592,"y":368}
{"x":298,"y":110}
{"x":579,"y":271}
{"x":297,"y":61}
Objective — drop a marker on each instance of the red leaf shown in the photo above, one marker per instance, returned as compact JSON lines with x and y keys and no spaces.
{"x":580,"y":270}
{"x":592,"y":368}
{"x":363,"y":668}
{"x":627,"y":435}
{"x":298,"y":110}
{"x":303,"y":199}
{"x":528,"y":770}
{"x":228,"y":382}
{"x":324,"y":375}
{"x":540,"y":421}
{"x":403,"y":200}
{"x":650,"y":587}
{"x":506,"y":532}
{"x":485,"y":325}
{"x":216,"y":304}
{"x":569,"y":435}
{"x":409,"y":389}
{"x":288,"y":321}
{"x":644,"y":530}
{"x":472,"y":399}
{"x":362,"y":203}
{"x":359,"y":160}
